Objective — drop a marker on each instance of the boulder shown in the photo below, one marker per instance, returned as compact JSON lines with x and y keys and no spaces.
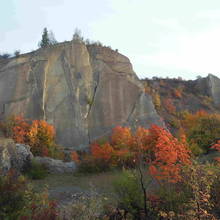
{"x":56,"y":166}
{"x":15,"y":156}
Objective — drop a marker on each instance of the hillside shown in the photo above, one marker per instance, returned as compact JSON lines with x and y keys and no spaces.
{"x":174,"y":97}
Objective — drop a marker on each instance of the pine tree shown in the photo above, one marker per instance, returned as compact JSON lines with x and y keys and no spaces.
{"x":45,"y":42}
{"x":48,"y":39}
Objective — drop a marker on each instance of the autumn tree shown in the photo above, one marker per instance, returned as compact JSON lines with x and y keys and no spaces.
{"x":169,"y":106}
{"x":177,"y":93}
{"x":41,"y":138}
{"x":156,"y":100}
{"x":201,"y":129}
{"x":16,"y":127}
{"x":156,"y":147}
{"x":166,"y":154}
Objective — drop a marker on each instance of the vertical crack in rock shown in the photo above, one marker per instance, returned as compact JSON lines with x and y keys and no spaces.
{"x":67,"y":75}
{"x":44,"y":93}
{"x":133,"y":110}
{"x":93,"y":100}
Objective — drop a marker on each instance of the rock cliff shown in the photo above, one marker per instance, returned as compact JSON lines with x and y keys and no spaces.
{"x":84,"y":91}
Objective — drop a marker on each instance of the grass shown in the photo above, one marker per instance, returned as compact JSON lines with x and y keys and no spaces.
{"x":102,"y":182}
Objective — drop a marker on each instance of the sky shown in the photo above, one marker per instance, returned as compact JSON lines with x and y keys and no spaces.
{"x":164,"y":38}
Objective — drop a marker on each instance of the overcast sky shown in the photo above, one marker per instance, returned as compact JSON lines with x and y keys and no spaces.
{"x":161,"y":37}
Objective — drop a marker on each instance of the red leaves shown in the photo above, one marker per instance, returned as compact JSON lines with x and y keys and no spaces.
{"x":102,"y":151}
{"x":169,"y":106}
{"x":168,"y":154}
{"x":20,"y":129}
{"x":156,"y":146}
{"x":216,"y":146}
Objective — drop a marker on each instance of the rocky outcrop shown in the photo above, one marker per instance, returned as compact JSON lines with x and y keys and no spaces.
{"x":208,"y":86}
{"x":14,"y":156}
{"x":214,"y":85}
{"x":56,"y":166}
{"x":84,"y":91}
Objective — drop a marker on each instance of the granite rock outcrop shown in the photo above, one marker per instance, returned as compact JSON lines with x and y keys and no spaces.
{"x":83,"y":90}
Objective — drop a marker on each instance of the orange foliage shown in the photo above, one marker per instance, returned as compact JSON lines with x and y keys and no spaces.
{"x":75,"y":157}
{"x":164,"y":154}
{"x":121,"y":136}
{"x":102,"y":152}
{"x":191,"y":120}
{"x":169,"y":106}
{"x":169,"y":154}
{"x":177,"y":93}
{"x":20,"y":130}
{"x":38,"y":134}
{"x":41,"y":137}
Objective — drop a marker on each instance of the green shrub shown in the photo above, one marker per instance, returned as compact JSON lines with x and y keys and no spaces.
{"x":36,"y":171}
{"x":202,"y":129}
{"x":129,"y":193}
{"x":196,"y":149}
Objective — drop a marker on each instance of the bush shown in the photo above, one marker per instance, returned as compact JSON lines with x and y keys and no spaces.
{"x":215,"y":194}
{"x":38,"y":134}
{"x":12,"y":200}
{"x":199,"y":178}
{"x":19,"y":201}
{"x":156,"y":147}
{"x":202,"y":129}
{"x":172,"y":198}
{"x":36,"y":171}
{"x":129,"y":193}
{"x":89,"y":165}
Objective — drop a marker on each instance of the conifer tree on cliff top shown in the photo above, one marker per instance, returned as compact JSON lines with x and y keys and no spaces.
{"x":47,"y":39}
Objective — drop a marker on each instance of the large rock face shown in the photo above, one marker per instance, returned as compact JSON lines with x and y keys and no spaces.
{"x":214,"y":85}
{"x":84,"y":91}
